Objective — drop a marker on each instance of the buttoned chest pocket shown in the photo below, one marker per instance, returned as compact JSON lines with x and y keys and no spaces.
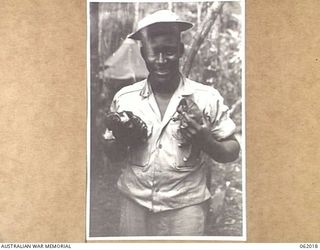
{"x":188,"y":158}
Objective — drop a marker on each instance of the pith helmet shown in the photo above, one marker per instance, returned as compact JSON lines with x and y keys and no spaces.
{"x":160,"y":16}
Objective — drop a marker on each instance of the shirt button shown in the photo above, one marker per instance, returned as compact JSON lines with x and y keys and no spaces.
{"x":160,"y":146}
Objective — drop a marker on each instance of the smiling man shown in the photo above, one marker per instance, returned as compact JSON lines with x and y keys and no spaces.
{"x":164,"y":182}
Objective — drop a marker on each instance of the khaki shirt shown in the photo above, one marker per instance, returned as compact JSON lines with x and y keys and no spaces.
{"x":166,"y":173}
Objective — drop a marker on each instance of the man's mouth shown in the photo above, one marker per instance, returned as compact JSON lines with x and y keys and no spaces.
{"x":162,"y":72}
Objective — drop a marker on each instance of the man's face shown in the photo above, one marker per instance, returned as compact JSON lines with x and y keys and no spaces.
{"x":161,"y":52}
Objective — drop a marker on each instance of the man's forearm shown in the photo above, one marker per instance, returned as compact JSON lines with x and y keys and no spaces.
{"x":221,"y":151}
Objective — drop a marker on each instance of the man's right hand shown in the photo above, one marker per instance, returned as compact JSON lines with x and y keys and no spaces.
{"x":127,"y":128}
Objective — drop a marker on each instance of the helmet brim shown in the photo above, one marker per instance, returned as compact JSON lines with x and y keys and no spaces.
{"x":182,"y":26}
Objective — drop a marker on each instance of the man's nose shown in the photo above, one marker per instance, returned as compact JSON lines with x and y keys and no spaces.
{"x":161,"y":58}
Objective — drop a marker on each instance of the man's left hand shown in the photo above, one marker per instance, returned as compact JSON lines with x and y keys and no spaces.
{"x":193,"y":130}
{"x":199,"y":134}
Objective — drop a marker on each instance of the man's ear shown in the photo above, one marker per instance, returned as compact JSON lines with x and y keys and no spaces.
{"x":181,"y":49}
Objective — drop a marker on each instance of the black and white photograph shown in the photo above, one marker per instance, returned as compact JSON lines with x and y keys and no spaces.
{"x":166,"y":120}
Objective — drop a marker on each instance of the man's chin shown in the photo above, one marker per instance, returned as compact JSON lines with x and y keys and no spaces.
{"x":162,"y":77}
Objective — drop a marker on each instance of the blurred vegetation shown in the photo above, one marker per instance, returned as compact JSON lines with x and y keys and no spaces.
{"x":217,"y":63}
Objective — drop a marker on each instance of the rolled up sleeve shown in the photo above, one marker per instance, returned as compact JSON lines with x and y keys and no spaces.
{"x":218,"y":115}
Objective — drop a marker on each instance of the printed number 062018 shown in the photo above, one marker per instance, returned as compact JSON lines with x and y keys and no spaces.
{"x":308,"y":245}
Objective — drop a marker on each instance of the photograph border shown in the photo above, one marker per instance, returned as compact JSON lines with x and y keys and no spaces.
{"x":243,"y":143}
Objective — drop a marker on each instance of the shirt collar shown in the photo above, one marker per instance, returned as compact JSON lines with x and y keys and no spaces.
{"x":183,"y":88}
{"x":146,"y":90}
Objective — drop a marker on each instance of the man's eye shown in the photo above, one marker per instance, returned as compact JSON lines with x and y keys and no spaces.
{"x":170,"y":52}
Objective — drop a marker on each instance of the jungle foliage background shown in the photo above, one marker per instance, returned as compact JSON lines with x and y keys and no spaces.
{"x":212,"y":56}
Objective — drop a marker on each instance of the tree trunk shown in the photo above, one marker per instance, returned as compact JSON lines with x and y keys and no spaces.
{"x":199,"y":11}
{"x":199,"y":37}
{"x":136,"y":15}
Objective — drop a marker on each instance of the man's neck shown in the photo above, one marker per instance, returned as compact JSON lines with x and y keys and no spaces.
{"x":163,"y":93}
{"x":165,"y":89}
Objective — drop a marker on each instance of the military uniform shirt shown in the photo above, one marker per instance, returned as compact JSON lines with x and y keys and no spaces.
{"x":164,"y":173}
